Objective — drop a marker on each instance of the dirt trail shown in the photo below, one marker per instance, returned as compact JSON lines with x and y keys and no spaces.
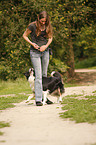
{"x":85,"y":70}
{"x":32,"y":125}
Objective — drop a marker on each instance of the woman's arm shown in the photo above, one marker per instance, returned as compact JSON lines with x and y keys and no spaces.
{"x":25,"y":36}
{"x":49,"y":42}
{"x":43,"y":47}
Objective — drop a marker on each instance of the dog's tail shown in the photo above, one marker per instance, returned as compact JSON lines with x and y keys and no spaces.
{"x":61,"y":84}
{"x":56,"y":74}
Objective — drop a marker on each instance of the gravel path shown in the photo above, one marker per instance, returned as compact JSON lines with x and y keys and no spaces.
{"x":32,"y":125}
{"x":85,"y":70}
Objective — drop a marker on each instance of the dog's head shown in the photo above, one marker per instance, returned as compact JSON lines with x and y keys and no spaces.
{"x":29,"y":73}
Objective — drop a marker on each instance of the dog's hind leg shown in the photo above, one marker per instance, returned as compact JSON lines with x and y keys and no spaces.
{"x":59,"y":99}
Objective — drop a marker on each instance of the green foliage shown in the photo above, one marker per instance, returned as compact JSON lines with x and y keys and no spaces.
{"x":86,"y":63}
{"x":68,"y":17}
{"x":57,"y":65}
{"x":85,"y":45}
{"x":83,"y":110}
{"x":73,"y":26}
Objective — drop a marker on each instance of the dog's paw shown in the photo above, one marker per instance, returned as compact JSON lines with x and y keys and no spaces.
{"x":59,"y":100}
{"x":26,"y":101}
{"x":44,"y":102}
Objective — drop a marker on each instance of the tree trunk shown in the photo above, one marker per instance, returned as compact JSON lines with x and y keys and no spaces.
{"x":70,"y":60}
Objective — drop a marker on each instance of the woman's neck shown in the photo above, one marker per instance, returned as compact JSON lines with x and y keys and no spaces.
{"x":42,"y":27}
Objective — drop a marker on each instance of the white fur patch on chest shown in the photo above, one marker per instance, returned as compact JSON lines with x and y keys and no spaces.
{"x":31,"y":79}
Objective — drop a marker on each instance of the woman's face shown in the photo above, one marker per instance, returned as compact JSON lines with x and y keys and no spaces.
{"x":42,"y":21}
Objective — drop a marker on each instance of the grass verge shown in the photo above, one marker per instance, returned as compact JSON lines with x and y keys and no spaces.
{"x":20,"y":85}
{"x":79,"y":110}
{"x":2,"y":125}
{"x":12,"y":87}
{"x":8,"y":102}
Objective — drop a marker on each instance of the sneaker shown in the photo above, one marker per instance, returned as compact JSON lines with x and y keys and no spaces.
{"x":49,"y":102}
{"x":39,"y":103}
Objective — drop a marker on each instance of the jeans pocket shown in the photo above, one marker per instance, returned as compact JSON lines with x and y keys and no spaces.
{"x":34,"y":53}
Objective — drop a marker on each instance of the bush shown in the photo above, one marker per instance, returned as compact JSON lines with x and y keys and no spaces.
{"x":57,"y":65}
{"x":10,"y":72}
{"x":90,"y":62}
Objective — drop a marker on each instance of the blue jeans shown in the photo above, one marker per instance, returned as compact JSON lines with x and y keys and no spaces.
{"x":40,"y":61}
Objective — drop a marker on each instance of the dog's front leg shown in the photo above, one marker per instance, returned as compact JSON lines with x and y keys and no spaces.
{"x":59,"y":99}
{"x":29,"y":98}
{"x":45,"y":97}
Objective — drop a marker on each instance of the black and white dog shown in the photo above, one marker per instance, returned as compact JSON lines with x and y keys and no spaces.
{"x":50,"y":84}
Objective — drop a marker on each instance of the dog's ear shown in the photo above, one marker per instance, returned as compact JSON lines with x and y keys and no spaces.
{"x":33,"y":72}
{"x":27,"y":74}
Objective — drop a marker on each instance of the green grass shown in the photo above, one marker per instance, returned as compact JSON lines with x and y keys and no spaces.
{"x":2,"y":141}
{"x":8,"y":102}
{"x":94,"y":67}
{"x":71,"y":84}
{"x":2,"y":125}
{"x":12,"y":87}
{"x":1,"y":133}
{"x":79,"y":110}
{"x":18,"y":88}
{"x":94,"y":91}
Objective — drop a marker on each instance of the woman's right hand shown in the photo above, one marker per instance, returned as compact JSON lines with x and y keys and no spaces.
{"x":35,"y":45}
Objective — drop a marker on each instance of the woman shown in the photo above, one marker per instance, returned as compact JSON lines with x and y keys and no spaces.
{"x":41,"y":35}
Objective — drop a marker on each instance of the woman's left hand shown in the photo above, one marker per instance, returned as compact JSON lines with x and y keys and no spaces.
{"x":42,"y":48}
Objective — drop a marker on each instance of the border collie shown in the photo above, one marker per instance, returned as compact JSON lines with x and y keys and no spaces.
{"x":50,"y":84}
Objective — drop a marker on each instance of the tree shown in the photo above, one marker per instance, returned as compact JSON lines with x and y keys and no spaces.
{"x":86,"y":41}
{"x":70,"y":18}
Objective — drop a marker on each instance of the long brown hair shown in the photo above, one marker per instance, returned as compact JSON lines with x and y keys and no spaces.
{"x":48,"y":26}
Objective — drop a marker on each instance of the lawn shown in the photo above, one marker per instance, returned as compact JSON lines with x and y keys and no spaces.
{"x":79,"y":108}
{"x":83,"y":110}
{"x":14,"y":92}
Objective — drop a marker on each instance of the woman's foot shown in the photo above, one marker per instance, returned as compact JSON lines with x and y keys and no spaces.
{"x":39,"y":103}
